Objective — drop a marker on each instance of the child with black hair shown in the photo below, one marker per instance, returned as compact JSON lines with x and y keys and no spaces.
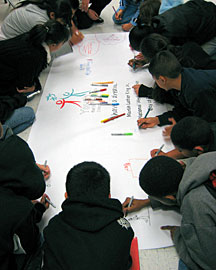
{"x":90,"y":232}
{"x":189,"y":54}
{"x":127,"y":14}
{"x":21,"y":183}
{"x":29,"y":13}
{"x":192,"y":192}
{"x":191,"y":136}
{"x":21,"y":61}
{"x":193,"y":91}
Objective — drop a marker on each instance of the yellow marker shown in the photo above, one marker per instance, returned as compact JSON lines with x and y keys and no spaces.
{"x":104,"y":120}
{"x":102,"y":82}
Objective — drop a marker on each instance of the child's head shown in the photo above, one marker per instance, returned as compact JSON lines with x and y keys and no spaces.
{"x":59,"y":10}
{"x":147,"y":10}
{"x":88,"y":179}
{"x":161,"y":176}
{"x":192,"y":136}
{"x":152,"y":44}
{"x":165,"y":69}
{"x":53,"y":33}
{"x":137,"y":34}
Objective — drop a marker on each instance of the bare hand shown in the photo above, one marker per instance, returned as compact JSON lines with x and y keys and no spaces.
{"x":45,"y":170}
{"x":92,"y":14}
{"x":127,"y":27}
{"x":135,"y":63}
{"x":135,"y":206}
{"x":26,"y":89}
{"x":172,"y":229}
{"x":167,"y":130}
{"x":42,"y":201}
{"x":76,"y":37}
{"x":148,"y":122}
{"x":136,"y":88}
{"x":84,"y":5}
{"x":119,"y":14}
{"x":154,"y":151}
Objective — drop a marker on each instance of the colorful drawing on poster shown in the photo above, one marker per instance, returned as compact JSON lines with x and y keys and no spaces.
{"x":134,"y":166}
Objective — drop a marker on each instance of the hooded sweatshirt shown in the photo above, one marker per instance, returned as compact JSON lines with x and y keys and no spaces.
{"x":89,"y":233}
{"x":20,"y":182}
{"x":195,"y":239}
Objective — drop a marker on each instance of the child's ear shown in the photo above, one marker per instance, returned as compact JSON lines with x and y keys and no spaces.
{"x":162,"y":79}
{"x":66,"y":195}
{"x":52,"y":15}
{"x":199,"y":150}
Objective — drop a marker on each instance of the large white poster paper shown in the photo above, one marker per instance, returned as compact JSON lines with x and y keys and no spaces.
{"x":68,"y":129}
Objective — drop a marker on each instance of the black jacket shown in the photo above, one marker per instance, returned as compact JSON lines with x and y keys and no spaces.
{"x":20,"y":65}
{"x":195,"y":21}
{"x":88,"y":234}
{"x":20,"y":182}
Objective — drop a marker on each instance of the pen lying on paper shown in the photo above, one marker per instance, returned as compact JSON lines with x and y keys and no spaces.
{"x":112,"y":118}
{"x":158,"y":151}
{"x":122,"y":134}
{"x":96,"y":91}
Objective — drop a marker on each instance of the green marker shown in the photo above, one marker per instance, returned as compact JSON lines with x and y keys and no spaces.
{"x":121,"y":134}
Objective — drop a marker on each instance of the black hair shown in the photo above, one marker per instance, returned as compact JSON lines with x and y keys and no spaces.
{"x":192,"y":131}
{"x":137,"y":34}
{"x":152,"y":44}
{"x":161,"y":176}
{"x":52,"y":32}
{"x":88,"y":179}
{"x":147,"y":10}
{"x":165,"y":63}
{"x":74,"y":4}
{"x":61,"y":8}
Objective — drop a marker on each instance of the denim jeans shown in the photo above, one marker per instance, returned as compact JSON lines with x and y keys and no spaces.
{"x":20,"y":119}
{"x":167,"y":4}
{"x":182,"y":266}
{"x":128,"y":14}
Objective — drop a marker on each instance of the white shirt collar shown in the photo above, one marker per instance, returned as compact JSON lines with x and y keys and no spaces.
{"x":46,"y":47}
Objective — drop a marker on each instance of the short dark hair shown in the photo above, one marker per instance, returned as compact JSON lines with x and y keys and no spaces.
{"x":161,"y":176}
{"x":192,"y":131}
{"x":88,"y":179}
{"x":152,"y":44}
{"x":137,"y":34}
{"x":165,"y":63}
{"x":147,"y":10}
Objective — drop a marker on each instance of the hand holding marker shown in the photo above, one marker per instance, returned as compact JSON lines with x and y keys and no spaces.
{"x":158,"y":151}
{"x":149,"y":109}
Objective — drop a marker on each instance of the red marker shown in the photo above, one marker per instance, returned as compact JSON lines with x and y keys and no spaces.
{"x":101,"y":90}
{"x":114,"y":10}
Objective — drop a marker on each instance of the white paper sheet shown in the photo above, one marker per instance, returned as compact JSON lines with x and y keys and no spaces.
{"x":68,"y":130}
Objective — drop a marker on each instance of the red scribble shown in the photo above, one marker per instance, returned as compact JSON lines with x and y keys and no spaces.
{"x":62,"y":102}
{"x":127,"y":166}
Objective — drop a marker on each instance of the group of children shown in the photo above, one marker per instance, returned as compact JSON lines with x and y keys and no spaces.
{"x":91,"y":231}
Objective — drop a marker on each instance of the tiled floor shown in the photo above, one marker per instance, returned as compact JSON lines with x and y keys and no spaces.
{"x":157,"y":259}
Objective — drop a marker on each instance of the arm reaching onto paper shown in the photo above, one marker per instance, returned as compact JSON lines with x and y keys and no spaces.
{"x":135,"y":206}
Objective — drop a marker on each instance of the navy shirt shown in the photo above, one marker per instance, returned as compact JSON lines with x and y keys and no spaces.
{"x":197,"y":96}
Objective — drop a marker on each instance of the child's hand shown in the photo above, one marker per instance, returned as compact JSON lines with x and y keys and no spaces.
{"x":148,"y":122}
{"x":26,"y":89}
{"x":84,"y":5}
{"x":118,"y":14}
{"x":154,"y":151}
{"x":167,"y":130}
{"x":92,"y":14}
{"x":136,"y":88}
{"x":127,"y":27}
{"x":76,"y":37}
{"x":135,"y":206}
{"x":45,"y":170}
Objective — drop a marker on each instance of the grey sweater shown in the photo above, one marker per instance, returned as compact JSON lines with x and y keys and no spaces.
{"x":195,"y":240}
